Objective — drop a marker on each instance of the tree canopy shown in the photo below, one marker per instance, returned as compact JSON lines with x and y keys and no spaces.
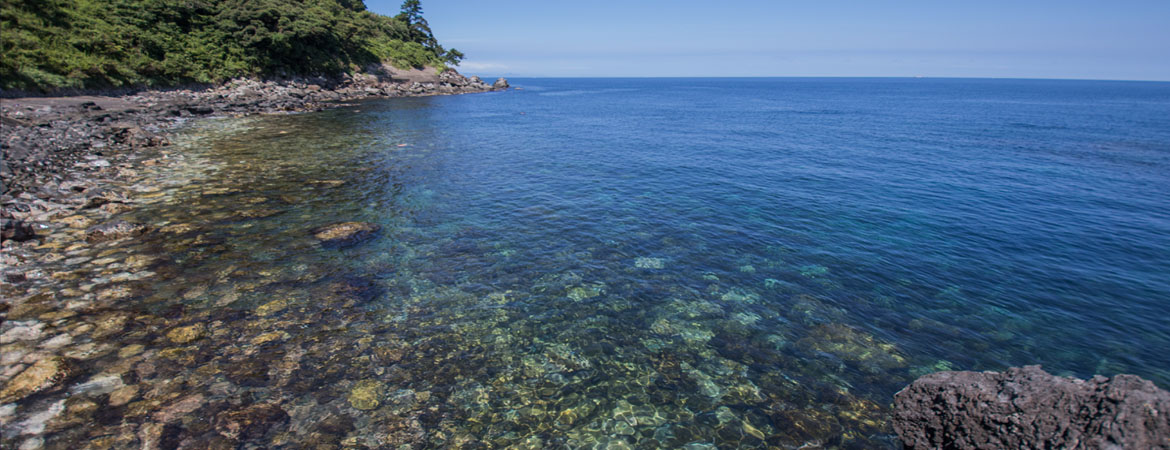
{"x":108,"y":43}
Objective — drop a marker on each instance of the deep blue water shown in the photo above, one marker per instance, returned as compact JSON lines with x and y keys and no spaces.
{"x":656,"y":263}
{"x":1018,"y":221}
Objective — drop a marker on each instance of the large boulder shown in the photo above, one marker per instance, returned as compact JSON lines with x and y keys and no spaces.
{"x":501,"y":83}
{"x":1028,"y":408}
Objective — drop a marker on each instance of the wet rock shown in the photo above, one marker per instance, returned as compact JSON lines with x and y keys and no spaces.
{"x":17,"y":230}
{"x":136,"y":137}
{"x":177,"y":410}
{"x":252,"y":372}
{"x":178,"y":228}
{"x":118,"y":292}
{"x":123,"y":395}
{"x":345,"y":234}
{"x":366,"y":394}
{"x":327,"y":183}
{"x":853,"y":346}
{"x":113,"y":230}
{"x":98,"y":385}
{"x":250,"y":423}
{"x":57,"y":341}
{"x":110,"y":325}
{"x":804,"y":425}
{"x":157,"y":436}
{"x":37,"y":422}
{"x":30,"y":331}
{"x":44,"y":375}
{"x":187,"y":334}
{"x":131,"y":350}
{"x":31,"y":306}
{"x":272,"y":307}
{"x":77,"y":221}
{"x":99,"y":197}
{"x":1029,"y":408}
{"x":77,"y":412}
{"x":259,"y":213}
{"x":336,"y":425}
{"x":272,"y":336}
{"x":200,"y":109}
{"x":116,"y":208}
{"x":501,"y":83}
{"x":356,"y":288}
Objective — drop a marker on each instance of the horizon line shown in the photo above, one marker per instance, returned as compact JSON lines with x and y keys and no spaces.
{"x":910,"y":77}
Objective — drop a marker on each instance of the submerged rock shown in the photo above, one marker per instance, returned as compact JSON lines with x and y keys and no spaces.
{"x":42,"y":376}
{"x":113,"y":230}
{"x":345,"y":234}
{"x":272,"y":307}
{"x":187,"y":334}
{"x":1029,"y":408}
{"x":250,"y":423}
{"x":77,"y":221}
{"x":649,"y":263}
{"x":856,"y":347}
{"x":366,"y":394}
{"x":180,"y":408}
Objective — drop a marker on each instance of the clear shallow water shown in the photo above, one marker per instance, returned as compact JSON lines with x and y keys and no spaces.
{"x":645,"y":263}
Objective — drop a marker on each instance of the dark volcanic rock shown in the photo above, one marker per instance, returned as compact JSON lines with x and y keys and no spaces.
{"x":1029,"y":408}
{"x":345,"y":234}
{"x":113,"y":230}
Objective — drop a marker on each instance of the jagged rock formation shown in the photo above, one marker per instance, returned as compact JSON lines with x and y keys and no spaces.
{"x":1028,"y":408}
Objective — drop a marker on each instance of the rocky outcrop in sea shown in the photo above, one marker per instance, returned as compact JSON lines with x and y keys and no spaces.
{"x":1028,"y":408}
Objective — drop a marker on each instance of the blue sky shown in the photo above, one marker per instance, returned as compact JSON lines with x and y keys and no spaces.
{"x":1125,"y":39}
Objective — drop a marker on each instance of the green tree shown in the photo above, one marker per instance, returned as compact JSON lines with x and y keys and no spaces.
{"x":100,"y":43}
{"x":453,"y":57}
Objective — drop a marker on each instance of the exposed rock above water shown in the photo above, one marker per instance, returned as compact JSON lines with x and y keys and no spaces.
{"x":1029,"y":408}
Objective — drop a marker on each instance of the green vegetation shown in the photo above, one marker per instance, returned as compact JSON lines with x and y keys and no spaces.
{"x":108,"y":43}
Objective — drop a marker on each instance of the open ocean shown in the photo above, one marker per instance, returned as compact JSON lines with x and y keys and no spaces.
{"x":618,"y":263}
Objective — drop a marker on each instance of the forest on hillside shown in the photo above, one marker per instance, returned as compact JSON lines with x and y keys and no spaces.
{"x":49,"y":44}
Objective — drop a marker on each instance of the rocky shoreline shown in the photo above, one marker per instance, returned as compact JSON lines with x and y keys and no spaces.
{"x":57,"y":150}
{"x":75,"y":171}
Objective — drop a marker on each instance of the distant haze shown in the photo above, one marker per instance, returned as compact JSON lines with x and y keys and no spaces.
{"x":1125,"y":39}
